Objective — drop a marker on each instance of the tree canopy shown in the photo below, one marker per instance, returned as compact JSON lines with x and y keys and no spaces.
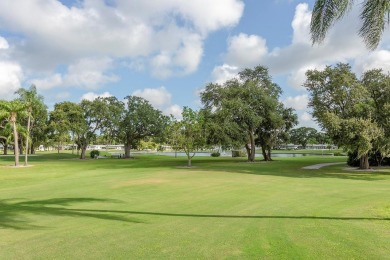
{"x":248,"y":108}
{"x":140,"y":120}
{"x":343,"y":106}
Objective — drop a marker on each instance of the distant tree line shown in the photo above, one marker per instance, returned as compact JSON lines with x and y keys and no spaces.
{"x":244,"y":112}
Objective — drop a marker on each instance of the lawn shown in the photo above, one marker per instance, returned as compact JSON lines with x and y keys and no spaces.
{"x":151,"y":207}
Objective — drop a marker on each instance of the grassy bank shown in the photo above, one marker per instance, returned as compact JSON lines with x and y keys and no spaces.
{"x":152,"y":207}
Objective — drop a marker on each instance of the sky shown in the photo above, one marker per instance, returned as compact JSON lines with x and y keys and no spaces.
{"x":167,"y":51}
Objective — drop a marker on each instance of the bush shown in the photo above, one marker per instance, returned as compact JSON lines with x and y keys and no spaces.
{"x":238,"y":153}
{"x":338,"y":154}
{"x":216,"y":154}
{"x":94,"y":153}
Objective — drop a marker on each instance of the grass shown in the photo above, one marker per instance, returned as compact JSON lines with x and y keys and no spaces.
{"x":148,"y":207}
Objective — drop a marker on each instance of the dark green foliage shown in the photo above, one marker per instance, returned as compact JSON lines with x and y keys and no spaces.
{"x":374,"y":159}
{"x":94,"y":153}
{"x":140,"y":120}
{"x":238,"y":153}
{"x":215,"y":154}
{"x":342,"y":105}
{"x":246,"y":112}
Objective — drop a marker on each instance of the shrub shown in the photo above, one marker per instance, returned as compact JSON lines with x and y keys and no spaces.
{"x":215,"y":154}
{"x":94,"y":153}
{"x":238,"y":153}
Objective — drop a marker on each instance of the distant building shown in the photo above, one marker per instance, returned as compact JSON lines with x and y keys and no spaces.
{"x":320,"y":146}
{"x":288,"y":147}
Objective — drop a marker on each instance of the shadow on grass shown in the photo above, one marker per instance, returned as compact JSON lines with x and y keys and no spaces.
{"x":228,"y":216}
{"x":12,"y":214}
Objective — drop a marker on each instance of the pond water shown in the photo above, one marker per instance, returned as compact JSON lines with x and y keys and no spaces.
{"x":229,"y":154}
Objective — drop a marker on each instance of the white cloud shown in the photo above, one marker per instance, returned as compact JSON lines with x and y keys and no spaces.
{"x":174,"y":110}
{"x":298,"y":102}
{"x":167,"y":35}
{"x":245,"y":50}
{"x":48,"y":82}
{"x":86,"y":73}
{"x":158,"y":97}
{"x":92,"y":96}
{"x":342,"y":44}
{"x":305,"y":119}
{"x":3,"y":43}
{"x":301,"y":25}
{"x":90,"y":73}
{"x":374,"y":60}
{"x":224,"y":72}
{"x":297,"y":77}
{"x":11,"y":77}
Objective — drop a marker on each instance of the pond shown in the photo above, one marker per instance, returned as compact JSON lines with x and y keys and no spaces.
{"x":229,"y":154}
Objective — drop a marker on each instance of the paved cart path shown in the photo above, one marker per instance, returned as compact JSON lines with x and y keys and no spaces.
{"x":318,"y":166}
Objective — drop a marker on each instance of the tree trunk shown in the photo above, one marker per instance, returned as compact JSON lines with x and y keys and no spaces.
{"x":83,"y":152}
{"x":364,"y":164}
{"x":269,"y":154}
{"x":251,"y":156}
{"x":248,"y":151}
{"x":28,"y":136}
{"x":189,"y":163}
{"x":5,"y":149}
{"x":264,"y":152}
{"x":127,"y":150}
{"x":16,"y":143}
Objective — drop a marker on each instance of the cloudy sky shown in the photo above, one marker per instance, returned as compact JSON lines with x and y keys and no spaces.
{"x":167,"y":50}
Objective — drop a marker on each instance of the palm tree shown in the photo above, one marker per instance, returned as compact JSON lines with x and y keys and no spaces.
{"x":12,"y":110}
{"x":374,"y":15}
{"x":32,"y":101}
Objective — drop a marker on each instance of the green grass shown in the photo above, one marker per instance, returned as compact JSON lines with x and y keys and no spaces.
{"x":148,"y":207}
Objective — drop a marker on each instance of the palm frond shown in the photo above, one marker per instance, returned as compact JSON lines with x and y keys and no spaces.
{"x":375,"y":15}
{"x":325,"y":13}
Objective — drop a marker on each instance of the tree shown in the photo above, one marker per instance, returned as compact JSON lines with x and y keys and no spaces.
{"x":323,"y":138}
{"x":377,"y":84}
{"x":12,"y":110}
{"x":189,"y":134}
{"x":66,"y":118}
{"x":243,"y":105}
{"x":374,"y":16}
{"x":35,"y":107}
{"x":95,"y":115}
{"x":275,"y":128}
{"x":5,"y":131}
{"x":341,"y":106}
{"x":140,"y":120}
{"x":111,"y":128}
{"x":303,"y":135}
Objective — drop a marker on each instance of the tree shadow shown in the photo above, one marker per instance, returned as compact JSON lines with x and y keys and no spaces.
{"x":230,"y":216}
{"x":13,"y":214}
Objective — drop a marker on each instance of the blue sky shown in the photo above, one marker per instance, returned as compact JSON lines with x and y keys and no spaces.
{"x":168,"y":50}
